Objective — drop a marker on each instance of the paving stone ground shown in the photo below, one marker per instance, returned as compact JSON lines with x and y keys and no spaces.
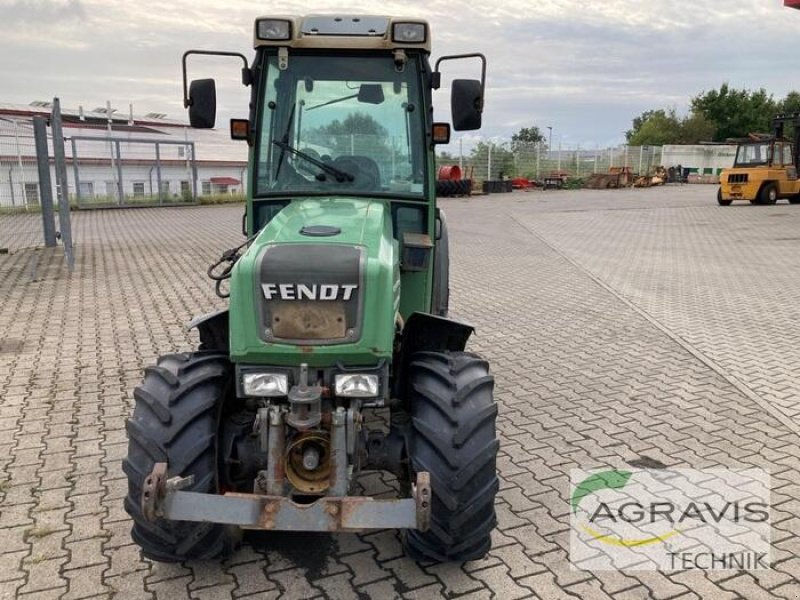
{"x":619,"y":325}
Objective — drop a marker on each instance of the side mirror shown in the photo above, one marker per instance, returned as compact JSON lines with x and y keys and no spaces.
{"x":203,"y":103}
{"x":371,"y":93}
{"x":466,"y":104}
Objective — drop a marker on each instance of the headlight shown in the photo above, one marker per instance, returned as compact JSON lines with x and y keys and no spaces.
{"x":357,"y":385}
{"x":265,"y":385}
{"x":409,"y":33}
{"x":273,"y":30}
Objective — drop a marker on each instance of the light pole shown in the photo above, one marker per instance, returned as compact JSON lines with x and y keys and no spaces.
{"x":550,"y":141}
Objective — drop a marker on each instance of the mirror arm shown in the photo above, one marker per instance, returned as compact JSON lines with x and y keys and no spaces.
{"x":436,"y":76}
{"x":246,"y":73}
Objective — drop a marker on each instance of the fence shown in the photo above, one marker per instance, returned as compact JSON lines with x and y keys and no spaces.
{"x":488,"y":159}
{"x":28,"y":220}
{"x":127,"y":171}
{"x":20,"y":193}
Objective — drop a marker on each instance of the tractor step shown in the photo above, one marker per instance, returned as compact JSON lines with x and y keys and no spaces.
{"x":164,"y":498}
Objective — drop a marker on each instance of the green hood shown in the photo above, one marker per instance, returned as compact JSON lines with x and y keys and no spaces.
{"x":361,"y":228}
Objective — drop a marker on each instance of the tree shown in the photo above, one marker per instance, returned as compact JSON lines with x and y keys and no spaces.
{"x":502,"y":160}
{"x":790,"y":104}
{"x":527,"y":135}
{"x":736,"y":113}
{"x":696,"y":129}
{"x":654,"y":128}
{"x":659,"y":127}
{"x":358,"y":134}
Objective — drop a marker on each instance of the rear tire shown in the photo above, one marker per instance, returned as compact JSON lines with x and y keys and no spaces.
{"x":176,"y":420}
{"x":768,"y":194}
{"x":453,"y":437}
{"x":794,"y":199}
{"x":720,"y":200}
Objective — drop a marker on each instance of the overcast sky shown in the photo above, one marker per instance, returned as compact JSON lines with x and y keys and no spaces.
{"x":584,"y":68}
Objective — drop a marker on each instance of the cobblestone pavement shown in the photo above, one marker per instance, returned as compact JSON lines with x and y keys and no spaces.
{"x":620,"y":326}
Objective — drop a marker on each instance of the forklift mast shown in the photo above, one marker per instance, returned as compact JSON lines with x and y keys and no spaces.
{"x":779,"y":123}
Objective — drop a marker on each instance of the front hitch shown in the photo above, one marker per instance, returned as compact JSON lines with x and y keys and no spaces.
{"x":164,"y":498}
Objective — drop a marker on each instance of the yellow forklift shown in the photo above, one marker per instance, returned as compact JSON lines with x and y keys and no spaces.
{"x":765,"y":169}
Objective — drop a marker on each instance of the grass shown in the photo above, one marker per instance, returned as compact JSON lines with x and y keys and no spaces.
{"x":5,"y":485}
{"x":108,"y":202}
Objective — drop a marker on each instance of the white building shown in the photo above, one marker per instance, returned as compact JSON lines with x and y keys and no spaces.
{"x":120,"y":160}
{"x":700,"y":159}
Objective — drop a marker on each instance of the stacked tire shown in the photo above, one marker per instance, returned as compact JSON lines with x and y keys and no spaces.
{"x":448,"y":188}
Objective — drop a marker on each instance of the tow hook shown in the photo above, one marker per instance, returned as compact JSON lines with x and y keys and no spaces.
{"x":156,"y":487}
{"x":422,"y":495}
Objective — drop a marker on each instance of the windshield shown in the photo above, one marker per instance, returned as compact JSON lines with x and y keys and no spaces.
{"x":752,"y":154}
{"x":341,"y":124}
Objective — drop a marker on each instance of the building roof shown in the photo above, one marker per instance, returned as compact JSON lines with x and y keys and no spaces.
{"x":211,"y":145}
{"x":225,"y":180}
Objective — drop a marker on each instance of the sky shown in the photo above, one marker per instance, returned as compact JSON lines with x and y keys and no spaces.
{"x":583,"y":68}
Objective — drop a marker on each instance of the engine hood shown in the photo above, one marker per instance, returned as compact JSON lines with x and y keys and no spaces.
{"x":356,"y":219}
{"x":319,"y":284}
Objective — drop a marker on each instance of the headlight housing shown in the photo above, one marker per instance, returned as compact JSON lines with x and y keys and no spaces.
{"x":265,"y":385}
{"x":409,"y":33}
{"x":357,"y":385}
{"x":273,"y":30}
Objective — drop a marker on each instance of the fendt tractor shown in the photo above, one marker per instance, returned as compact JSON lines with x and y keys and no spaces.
{"x":335,"y":355}
{"x":766,"y":167}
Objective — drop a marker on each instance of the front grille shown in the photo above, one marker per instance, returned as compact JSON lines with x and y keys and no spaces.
{"x":310,"y":293}
{"x":737,"y":178}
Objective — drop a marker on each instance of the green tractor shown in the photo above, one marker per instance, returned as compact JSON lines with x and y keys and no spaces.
{"x":337,"y":312}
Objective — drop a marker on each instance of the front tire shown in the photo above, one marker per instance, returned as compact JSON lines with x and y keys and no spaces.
{"x":176,"y":420}
{"x":769,"y":194}
{"x":720,"y":200}
{"x":453,"y":437}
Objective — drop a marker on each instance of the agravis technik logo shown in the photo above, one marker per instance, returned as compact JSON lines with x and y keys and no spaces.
{"x":670,"y":519}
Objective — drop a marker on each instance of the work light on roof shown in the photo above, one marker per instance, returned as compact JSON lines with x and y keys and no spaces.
{"x":409,"y":33}
{"x":273,"y":29}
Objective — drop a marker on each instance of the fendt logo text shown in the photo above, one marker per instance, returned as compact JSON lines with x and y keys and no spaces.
{"x":299,"y":291}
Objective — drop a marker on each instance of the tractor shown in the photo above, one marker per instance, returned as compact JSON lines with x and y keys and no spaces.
{"x":335,"y":354}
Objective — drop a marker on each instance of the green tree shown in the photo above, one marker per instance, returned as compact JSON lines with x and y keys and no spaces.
{"x":736,"y":113}
{"x":358,"y":133}
{"x":502,"y":160}
{"x":659,"y":127}
{"x":527,"y":136}
{"x":790,"y":104}
{"x":655,"y":128}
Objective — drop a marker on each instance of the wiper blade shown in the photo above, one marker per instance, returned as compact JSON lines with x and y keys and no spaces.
{"x":340,"y":175}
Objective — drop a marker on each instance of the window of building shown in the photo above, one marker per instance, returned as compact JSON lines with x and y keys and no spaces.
{"x":164,"y":188}
{"x":32,"y":193}
{"x":206,"y":186}
{"x":138,"y":189}
{"x":186,"y":189}
{"x":87,"y":189}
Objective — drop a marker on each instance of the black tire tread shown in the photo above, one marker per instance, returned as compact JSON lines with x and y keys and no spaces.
{"x":763,"y":196}
{"x":453,"y":437}
{"x":175,"y":419}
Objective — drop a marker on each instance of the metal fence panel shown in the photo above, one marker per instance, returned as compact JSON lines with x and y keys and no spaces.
{"x":129,"y":171}
{"x":492,"y":159}
{"x":20,"y":219}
